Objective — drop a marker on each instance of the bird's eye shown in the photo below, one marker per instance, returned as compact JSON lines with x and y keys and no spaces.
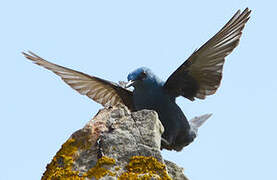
{"x":142,"y":75}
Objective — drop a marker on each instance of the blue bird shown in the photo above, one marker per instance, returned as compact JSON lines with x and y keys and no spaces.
{"x":198,"y":77}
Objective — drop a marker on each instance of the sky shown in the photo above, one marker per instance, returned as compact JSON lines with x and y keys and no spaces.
{"x":108,"y":39}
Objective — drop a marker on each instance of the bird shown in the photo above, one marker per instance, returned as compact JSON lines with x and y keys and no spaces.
{"x":199,"y":76}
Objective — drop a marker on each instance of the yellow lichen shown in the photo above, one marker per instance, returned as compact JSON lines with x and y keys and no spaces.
{"x":98,"y":170}
{"x":117,"y":168}
{"x":61,"y":166}
{"x":139,"y":167}
{"x":144,"y":168}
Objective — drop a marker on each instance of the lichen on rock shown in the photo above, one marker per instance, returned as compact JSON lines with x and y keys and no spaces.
{"x":145,"y":168}
{"x":115,"y":144}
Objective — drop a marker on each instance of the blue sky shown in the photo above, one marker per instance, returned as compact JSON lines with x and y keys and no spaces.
{"x":108,"y":39}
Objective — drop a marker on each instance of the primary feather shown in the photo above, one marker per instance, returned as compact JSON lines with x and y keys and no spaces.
{"x":102,"y":91}
{"x":200,"y":75}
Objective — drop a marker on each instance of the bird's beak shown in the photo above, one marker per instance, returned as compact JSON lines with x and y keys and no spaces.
{"x":129,"y":83}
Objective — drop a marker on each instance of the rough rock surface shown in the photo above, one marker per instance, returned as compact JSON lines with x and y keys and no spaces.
{"x":115,"y":144}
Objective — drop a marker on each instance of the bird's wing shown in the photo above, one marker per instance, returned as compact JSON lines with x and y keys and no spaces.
{"x":104,"y":92}
{"x":201,"y":73}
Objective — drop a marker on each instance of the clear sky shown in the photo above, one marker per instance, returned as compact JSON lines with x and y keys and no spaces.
{"x":109,"y":39}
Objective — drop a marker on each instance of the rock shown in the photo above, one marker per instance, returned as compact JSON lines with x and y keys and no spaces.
{"x":115,"y":144}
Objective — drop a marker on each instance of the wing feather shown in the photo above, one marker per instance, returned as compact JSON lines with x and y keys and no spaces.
{"x":104,"y":92}
{"x":200,"y":75}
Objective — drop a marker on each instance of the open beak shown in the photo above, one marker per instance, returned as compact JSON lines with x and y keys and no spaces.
{"x":129,"y":83}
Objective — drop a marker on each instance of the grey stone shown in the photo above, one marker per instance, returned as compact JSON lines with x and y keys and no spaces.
{"x":123,"y":137}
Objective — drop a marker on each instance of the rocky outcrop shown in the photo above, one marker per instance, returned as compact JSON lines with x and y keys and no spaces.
{"x":115,"y":144}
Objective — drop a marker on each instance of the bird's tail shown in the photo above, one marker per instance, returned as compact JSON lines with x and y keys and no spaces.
{"x":196,"y":122}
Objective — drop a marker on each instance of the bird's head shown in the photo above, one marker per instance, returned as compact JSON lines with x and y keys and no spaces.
{"x":141,"y":77}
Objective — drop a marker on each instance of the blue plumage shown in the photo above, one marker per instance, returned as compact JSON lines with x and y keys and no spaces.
{"x":149,"y":93}
{"x":198,"y":77}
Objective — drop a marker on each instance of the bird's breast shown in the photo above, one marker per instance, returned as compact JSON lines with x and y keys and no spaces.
{"x":149,"y":99}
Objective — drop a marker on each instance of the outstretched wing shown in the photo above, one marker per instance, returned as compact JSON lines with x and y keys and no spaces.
{"x":201,"y":73}
{"x":104,"y":92}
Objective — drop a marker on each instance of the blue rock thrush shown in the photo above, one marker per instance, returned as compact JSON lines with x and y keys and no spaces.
{"x":197,"y":77}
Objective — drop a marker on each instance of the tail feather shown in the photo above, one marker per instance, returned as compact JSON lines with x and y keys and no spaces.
{"x":196,"y":122}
